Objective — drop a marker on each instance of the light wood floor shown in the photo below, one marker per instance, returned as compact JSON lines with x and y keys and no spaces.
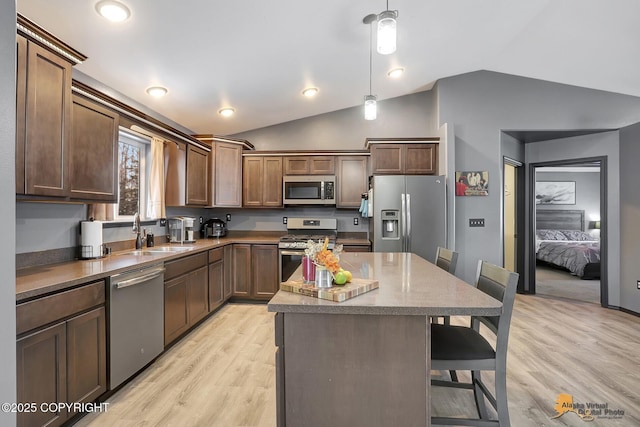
{"x":222,"y":374}
{"x":562,"y":284}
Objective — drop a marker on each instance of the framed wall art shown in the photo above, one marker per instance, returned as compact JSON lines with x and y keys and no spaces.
{"x":472,"y":183}
{"x":555,"y":192}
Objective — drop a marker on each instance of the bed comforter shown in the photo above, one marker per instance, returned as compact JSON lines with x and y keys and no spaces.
{"x":560,"y":250}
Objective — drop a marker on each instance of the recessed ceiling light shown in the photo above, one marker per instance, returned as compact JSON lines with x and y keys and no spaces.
{"x":395,"y":73}
{"x":112,"y":10}
{"x":157,"y":91}
{"x":227,"y":111}
{"x":310,"y":91}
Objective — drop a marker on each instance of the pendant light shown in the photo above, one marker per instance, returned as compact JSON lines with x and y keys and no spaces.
{"x":387,"y":31}
{"x":370,"y":101}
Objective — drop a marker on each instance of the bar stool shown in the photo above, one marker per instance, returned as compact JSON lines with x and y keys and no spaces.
{"x":464,"y":348}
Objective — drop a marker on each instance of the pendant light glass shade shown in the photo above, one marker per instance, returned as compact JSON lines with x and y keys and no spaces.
{"x":387,"y":32}
{"x":370,"y":107}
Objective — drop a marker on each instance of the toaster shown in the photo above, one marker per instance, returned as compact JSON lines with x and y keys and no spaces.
{"x":215,"y":227}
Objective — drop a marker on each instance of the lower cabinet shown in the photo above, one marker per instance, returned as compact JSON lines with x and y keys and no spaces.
{"x":216,"y":278}
{"x":186,"y":294}
{"x":255,"y":271}
{"x":65,"y":362}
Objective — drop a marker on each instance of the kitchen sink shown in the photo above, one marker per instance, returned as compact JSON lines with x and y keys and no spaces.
{"x":158,"y":250}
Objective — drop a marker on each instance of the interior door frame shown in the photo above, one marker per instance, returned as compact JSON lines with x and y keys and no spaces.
{"x":520,"y":216}
{"x":604,"y":264}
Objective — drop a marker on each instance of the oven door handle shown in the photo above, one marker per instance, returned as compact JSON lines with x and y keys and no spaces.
{"x":292,"y":252}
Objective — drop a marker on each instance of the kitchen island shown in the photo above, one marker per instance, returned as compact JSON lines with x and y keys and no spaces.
{"x":365,"y":361}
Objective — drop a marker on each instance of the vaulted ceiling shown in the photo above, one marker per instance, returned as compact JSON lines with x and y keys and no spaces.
{"x":258,"y":56}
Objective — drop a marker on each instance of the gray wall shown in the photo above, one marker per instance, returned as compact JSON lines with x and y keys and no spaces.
{"x":479,"y":106}
{"x":7,"y":208}
{"x":629,"y":217}
{"x":406,"y":116}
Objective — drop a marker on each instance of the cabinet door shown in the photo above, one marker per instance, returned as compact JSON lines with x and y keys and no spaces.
{"x":356,"y":248}
{"x":387,"y":159}
{"x":242,"y":270}
{"x":296,"y":165}
{"x":227,"y":188}
{"x":48,"y":118}
{"x":198,"y":176}
{"x":21,"y":106}
{"x":176,"y":318}
{"x":252,"y":186}
{"x":352,"y":179}
{"x":93,"y":152}
{"x":86,"y":356}
{"x":264,"y":267}
{"x":228,"y":272}
{"x":216,"y":285}
{"x":198,"y":295}
{"x":42,"y":374}
{"x":272,"y":182}
{"x":421,"y":159}
{"x":322,"y":165}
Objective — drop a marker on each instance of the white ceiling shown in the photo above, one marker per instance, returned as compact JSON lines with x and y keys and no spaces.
{"x":257,"y":56}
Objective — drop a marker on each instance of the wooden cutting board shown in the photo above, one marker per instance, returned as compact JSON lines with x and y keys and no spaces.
{"x":336,"y":293}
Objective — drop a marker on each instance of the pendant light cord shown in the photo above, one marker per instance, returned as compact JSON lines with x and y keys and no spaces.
{"x":370,"y":55}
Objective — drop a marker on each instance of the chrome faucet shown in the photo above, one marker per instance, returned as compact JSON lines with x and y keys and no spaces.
{"x":136,"y":229}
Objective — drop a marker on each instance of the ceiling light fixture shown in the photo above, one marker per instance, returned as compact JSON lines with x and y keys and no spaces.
{"x":112,"y":10}
{"x":370,"y":101}
{"x":226,"y":111}
{"x":310,"y":92}
{"x":395,"y":73}
{"x":387,"y":31}
{"x":157,"y":91}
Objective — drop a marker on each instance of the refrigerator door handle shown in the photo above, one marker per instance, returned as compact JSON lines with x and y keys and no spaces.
{"x":408,"y":239}
{"x":404,"y":223}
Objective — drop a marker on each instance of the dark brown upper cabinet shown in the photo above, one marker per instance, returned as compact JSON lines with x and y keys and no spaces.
{"x":309,"y":165}
{"x":351,"y":180}
{"x":93,"y":152}
{"x":404,"y":159}
{"x":262,"y":181}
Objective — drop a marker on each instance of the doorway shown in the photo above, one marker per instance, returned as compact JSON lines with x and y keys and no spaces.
{"x":568,"y":231}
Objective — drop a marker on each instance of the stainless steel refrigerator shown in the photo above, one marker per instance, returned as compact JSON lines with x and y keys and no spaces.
{"x":409,"y":214}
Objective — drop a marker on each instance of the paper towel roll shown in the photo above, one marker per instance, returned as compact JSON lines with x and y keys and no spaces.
{"x":91,"y":239}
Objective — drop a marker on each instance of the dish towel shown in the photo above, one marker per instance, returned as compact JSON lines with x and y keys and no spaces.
{"x":364,"y":204}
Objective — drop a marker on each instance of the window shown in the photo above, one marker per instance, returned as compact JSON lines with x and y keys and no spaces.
{"x":132,"y":176}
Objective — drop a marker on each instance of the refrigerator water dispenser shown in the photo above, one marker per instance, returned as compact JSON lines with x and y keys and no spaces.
{"x":390,"y":220}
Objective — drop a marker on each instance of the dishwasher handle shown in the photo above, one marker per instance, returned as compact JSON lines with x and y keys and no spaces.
{"x":156,"y":272}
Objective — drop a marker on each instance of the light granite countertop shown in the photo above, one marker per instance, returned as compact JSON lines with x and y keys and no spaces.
{"x":41,"y":280}
{"x":408,"y":285}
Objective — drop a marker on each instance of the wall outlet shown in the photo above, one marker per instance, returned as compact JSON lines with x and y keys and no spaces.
{"x":284,"y":219}
{"x":638,"y":283}
{"x":201,"y":220}
{"x":355,"y":221}
{"x":163,"y":222}
{"x":228,"y":217}
{"x":476,"y":222}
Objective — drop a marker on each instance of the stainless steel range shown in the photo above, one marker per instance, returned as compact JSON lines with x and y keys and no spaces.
{"x":300,"y":231}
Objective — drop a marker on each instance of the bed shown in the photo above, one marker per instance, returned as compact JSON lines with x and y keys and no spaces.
{"x":562,"y":241}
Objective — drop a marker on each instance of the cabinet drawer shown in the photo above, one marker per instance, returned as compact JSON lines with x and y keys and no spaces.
{"x":184,"y":265}
{"x":33,"y":314}
{"x":216,"y":255}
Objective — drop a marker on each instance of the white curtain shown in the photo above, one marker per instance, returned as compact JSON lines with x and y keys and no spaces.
{"x":155,"y":202}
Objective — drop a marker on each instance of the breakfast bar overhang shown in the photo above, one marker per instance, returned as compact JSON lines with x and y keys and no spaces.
{"x":366,"y":361}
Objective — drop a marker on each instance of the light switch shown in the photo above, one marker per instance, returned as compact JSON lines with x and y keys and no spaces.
{"x":476,"y":222}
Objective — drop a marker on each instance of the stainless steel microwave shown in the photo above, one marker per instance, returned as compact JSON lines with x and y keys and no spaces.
{"x":309,"y":190}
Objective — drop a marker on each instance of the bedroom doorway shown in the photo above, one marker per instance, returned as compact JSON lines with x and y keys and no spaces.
{"x":569,"y":230}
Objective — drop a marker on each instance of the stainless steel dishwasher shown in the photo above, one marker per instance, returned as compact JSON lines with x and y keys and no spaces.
{"x":136,"y":321}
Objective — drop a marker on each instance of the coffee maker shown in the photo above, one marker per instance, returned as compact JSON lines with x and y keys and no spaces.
{"x":215,"y":227}
{"x":181,"y":229}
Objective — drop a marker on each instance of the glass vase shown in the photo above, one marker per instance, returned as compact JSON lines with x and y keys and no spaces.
{"x":308,"y":270}
{"x":323,"y":277}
